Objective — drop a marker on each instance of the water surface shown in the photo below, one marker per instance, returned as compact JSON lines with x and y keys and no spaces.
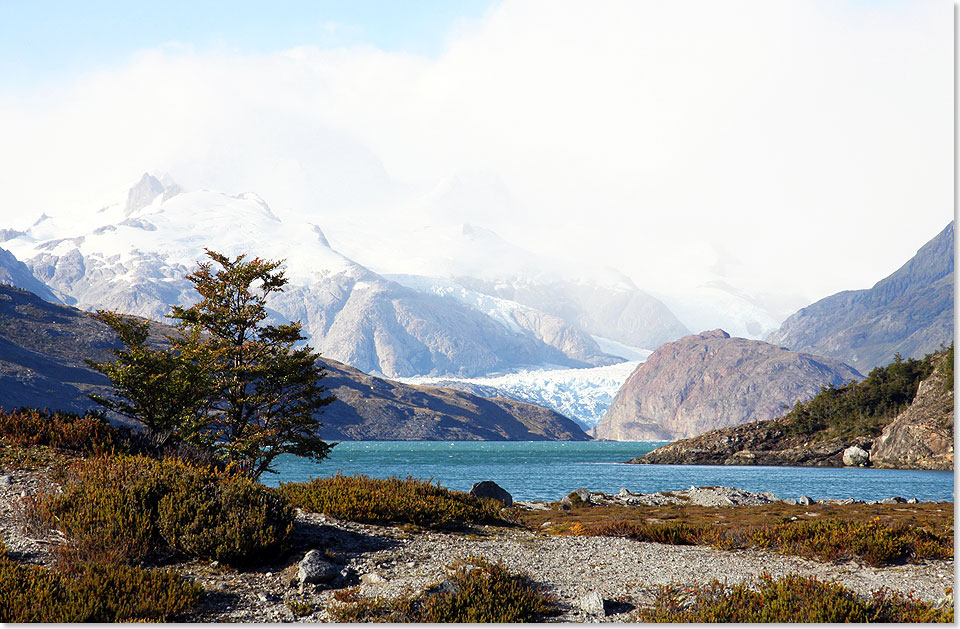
{"x":548,"y":470}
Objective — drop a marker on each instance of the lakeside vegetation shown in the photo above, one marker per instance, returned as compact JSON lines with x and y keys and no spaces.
{"x":864,"y":408}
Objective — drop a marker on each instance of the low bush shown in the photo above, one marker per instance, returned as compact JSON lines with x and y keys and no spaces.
{"x":871,"y":542}
{"x":389,"y":501}
{"x":675,"y":533}
{"x":476,"y":592}
{"x":92,"y":593}
{"x":133,"y":509}
{"x":791,"y":598}
{"x":86,"y":434}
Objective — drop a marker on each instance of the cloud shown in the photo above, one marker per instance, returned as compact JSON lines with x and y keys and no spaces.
{"x":809,"y":140}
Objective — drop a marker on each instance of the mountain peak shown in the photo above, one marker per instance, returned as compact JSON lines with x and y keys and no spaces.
{"x":714,"y":334}
{"x":143,"y":193}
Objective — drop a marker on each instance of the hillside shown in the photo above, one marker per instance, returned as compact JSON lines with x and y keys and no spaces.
{"x":43,"y":347}
{"x":901,"y":415}
{"x":909,"y":312}
{"x":710,"y":380}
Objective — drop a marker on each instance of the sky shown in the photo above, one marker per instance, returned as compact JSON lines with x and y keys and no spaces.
{"x":792,"y":149}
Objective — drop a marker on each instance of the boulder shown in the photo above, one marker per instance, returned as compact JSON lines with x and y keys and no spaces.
{"x":855,"y":456}
{"x":805,"y":501}
{"x":489,"y":489}
{"x":313,"y":568}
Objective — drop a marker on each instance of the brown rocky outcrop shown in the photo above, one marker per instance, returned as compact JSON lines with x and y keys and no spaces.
{"x":920,"y":437}
{"x":710,"y":380}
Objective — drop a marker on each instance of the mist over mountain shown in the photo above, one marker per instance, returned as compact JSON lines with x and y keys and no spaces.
{"x":910,"y":312}
{"x":133,"y":256}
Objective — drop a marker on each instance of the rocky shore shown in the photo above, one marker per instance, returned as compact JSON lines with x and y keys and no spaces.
{"x":594,"y":579}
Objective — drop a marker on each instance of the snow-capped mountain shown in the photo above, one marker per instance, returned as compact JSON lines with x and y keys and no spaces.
{"x":132,"y":256}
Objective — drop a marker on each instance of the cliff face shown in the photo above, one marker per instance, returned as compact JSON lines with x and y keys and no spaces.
{"x":910,"y":312}
{"x":921,"y":437}
{"x":710,"y":380}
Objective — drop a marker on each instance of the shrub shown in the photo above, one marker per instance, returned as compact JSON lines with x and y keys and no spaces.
{"x":92,"y":593}
{"x":791,"y":598}
{"x":872,"y":542}
{"x":133,"y":509}
{"x":233,"y":519}
{"x":675,"y":533}
{"x":477,"y":591}
{"x":86,"y":434}
{"x":384,"y":501}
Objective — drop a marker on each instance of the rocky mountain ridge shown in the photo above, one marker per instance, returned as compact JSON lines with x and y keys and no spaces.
{"x":909,"y":312}
{"x":43,"y":347}
{"x":711,"y":380}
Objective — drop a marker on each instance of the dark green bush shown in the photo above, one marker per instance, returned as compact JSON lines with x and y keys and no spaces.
{"x":134,"y":509}
{"x":384,"y":501}
{"x":92,"y":593}
{"x":233,"y":520}
{"x":791,"y":598}
{"x":478,"y":591}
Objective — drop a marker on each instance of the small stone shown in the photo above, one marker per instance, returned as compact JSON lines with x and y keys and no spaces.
{"x":6,"y":480}
{"x":371,"y":577}
{"x":546,"y":524}
{"x":593,"y":604}
{"x":313,"y":568}
{"x":489,"y":489}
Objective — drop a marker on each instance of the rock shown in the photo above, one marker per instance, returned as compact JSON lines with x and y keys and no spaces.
{"x":855,"y":456}
{"x":6,"y":480}
{"x":315,"y":569}
{"x":371,"y":577}
{"x":577,"y":497}
{"x":789,"y":501}
{"x":489,"y":489}
{"x":805,"y":501}
{"x":912,"y":501}
{"x":896,"y":500}
{"x":708,"y":381}
{"x":592,"y":604}
{"x":921,"y":437}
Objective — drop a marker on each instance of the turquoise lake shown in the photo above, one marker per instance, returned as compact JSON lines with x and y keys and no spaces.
{"x":548,"y":470}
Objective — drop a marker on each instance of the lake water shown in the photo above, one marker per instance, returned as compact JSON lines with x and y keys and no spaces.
{"x":548,"y":470}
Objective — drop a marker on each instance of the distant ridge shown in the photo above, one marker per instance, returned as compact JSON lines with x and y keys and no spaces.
{"x":910,"y":312}
{"x":43,"y":347}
